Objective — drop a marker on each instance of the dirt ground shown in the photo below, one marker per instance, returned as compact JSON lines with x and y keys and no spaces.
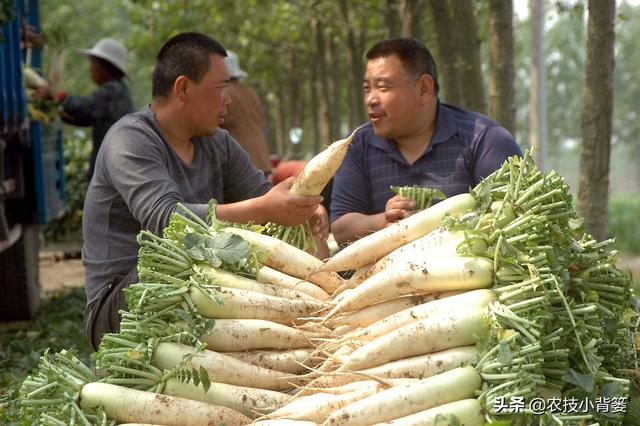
{"x":58,"y":272}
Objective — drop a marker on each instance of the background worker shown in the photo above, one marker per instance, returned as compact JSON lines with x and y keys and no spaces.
{"x":107,"y":104}
{"x":245,"y":118}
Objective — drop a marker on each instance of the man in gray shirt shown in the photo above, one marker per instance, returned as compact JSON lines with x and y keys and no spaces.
{"x":169,"y":152}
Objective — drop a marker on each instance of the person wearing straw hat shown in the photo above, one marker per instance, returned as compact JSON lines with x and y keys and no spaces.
{"x":106,"y":105}
{"x":245,"y":118}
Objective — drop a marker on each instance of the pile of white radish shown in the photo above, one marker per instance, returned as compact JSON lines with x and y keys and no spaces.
{"x":476,"y":298}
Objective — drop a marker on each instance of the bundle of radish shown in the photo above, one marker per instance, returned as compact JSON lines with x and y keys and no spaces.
{"x":314,"y":177}
{"x":64,"y":391}
{"x":562,"y":305}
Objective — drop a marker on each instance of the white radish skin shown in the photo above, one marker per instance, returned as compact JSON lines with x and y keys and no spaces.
{"x":443,"y":243}
{"x":413,"y":367}
{"x":232,"y":335}
{"x":400,"y":401}
{"x":448,"y":330}
{"x":294,"y":361}
{"x":467,"y":412}
{"x":374,"y":246}
{"x":283,"y":422}
{"x":357,"y":385}
{"x":244,"y":304}
{"x":341,"y":330}
{"x":319,"y":406}
{"x":290,"y":260}
{"x":475,"y":298}
{"x":130,"y":405}
{"x":271,"y":276}
{"x":320,"y":169}
{"x":367,"y":316}
{"x":249,"y":401}
{"x":433,"y":275}
{"x":224,"y":278}
{"x":222,"y":368}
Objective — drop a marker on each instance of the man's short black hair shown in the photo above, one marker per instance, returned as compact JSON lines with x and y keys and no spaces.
{"x":415,"y":57}
{"x":185,"y":54}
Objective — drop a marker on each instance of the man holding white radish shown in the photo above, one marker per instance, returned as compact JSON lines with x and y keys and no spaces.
{"x":411,"y":139}
{"x":171,"y":152}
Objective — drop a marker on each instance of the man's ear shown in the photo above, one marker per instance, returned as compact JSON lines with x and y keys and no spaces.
{"x":180,"y":88}
{"x":426,"y":87}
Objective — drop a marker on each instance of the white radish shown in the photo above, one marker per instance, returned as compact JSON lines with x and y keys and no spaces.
{"x":130,"y":405}
{"x":232,"y":335}
{"x":222,"y":368}
{"x":290,"y":260}
{"x":367,"y":316}
{"x":476,"y":298}
{"x":433,"y":275}
{"x":374,"y":246}
{"x":293,"y":361}
{"x":231,"y":303}
{"x":320,"y":169}
{"x":447,"y":330}
{"x":399,"y":401}
{"x":246,"y":400}
{"x":413,"y":367}
{"x":465,"y":412}
{"x":224,"y":278}
{"x":271,"y":276}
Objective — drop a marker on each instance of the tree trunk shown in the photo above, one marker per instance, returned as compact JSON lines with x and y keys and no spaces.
{"x":314,"y":100}
{"x":324,"y":104}
{"x":501,"y":72}
{"x":295,"y":97}
{"x":538,"y":87}
{"x":280,"y":127}
{"x":597,"y":110}
{"x":335,"y":110}
{"x":410,"y":18}
{"x":448,"y":78}
{"x":391,"y":19}
{"x":469,"y":65}
{"x":355,"y":52}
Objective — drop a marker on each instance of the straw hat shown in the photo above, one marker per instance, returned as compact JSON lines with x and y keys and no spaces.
{"x":110,"y":50}
{"x":233,"y":65}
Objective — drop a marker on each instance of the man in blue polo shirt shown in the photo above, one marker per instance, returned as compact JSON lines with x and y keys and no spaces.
{"x":411,"y":139}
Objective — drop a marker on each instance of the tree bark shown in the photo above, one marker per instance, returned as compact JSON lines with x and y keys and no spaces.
{"x":596,"y":123}
{"x":391,"y":19}
{"x":355,"y":52}
{"x":335,"y":71}
{"x":448,"y":78}
{"x":501,"y":71}
{"x":296,"y":105}
{"x":324,"y":104}
{"x":411,"y":12}
{"x":468,"y":64}
{"x":538,"y":87}
{"x":314,"y":100}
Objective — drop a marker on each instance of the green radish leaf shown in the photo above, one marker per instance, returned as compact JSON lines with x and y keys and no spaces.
{"x":584,"y":381}
{"x":204,"y":377}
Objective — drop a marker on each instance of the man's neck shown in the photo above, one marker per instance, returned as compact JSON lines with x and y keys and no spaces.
{"x":414,"y":144}
{"x":173,"y":129}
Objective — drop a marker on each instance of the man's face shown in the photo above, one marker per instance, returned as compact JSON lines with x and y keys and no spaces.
{"x":391,"y":97}
{"x":208,"y":100}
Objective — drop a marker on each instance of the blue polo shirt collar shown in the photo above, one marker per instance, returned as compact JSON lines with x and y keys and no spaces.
{"x":445,"y":129}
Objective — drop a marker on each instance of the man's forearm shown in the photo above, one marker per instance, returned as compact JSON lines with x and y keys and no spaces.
{"x":250,"y":210}
{"x":353,"y":226}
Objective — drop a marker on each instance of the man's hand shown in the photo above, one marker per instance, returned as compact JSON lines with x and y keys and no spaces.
{"x":286,"y":208}
{"x":320,"y":221}
{"x":398,"y":208}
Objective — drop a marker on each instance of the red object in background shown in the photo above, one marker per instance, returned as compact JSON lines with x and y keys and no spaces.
{"x":275,"y":160}
{"x":285,"y":169}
